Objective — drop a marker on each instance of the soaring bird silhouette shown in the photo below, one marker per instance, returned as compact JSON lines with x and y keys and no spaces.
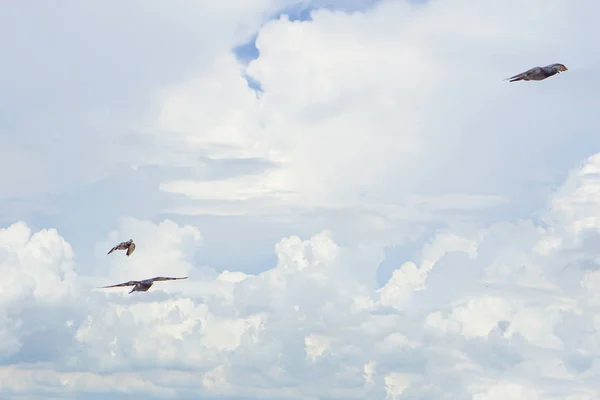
{"x":128,"y":245}
{"x":142,"y":286}
{"x":538,"y":73}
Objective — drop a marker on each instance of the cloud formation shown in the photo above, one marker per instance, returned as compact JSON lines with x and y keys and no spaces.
{"x":506,"y":312}
{"x":412,"y":94}
{"x":389,"y":125}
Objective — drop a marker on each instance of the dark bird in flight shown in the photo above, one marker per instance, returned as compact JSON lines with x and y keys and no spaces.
{"x":538,"y":73}
{"x":142,"y":286}
{"x":128,"y":245}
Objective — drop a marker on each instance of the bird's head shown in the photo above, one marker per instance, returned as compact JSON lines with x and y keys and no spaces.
{"x":559,"y":68}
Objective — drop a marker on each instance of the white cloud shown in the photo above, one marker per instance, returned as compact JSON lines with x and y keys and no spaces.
{"x":165,"y":249}
{"x":37,"y":273}
{"x":384,"y":86}
{"x":369,"y":371}
{"x":80,"y":105}
{"x":468,"y":335}
{"x":215,"y":379}
{"x":37,"y":265}
{"x":375,"y":124}
{"x":508,"y":391}
{"x":316,"y":345}
{"x":395,"y":385}
{"x":20,"y":381}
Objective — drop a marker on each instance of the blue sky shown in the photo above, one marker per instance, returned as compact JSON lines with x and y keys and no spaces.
{"x":384,"y":212}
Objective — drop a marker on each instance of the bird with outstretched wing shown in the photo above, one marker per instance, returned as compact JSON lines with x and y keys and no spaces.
{"x":128,"y":245}
{"x":538,"y":73}
{"x":144,"y":285}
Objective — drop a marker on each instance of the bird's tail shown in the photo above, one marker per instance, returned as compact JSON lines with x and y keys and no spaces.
{"x":518,"y":77}
{"x":514,"y":78}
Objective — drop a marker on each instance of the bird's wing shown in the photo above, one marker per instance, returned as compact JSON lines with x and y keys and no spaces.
{"x":164,"y":278}
{"x":113,"y":249}
{"x":523,"y":74}
{"x":130,"y":283}
{"x":130,"y":248}
{"x":117,"y":247}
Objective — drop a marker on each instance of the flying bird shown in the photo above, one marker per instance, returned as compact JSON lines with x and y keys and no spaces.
{"x":128,"y":245}
{"x":142,"y":286}
{"x":538,"y":73}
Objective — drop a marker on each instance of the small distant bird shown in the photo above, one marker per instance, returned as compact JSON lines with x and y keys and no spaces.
{"x":128,"y":245}
{"x":539,"y":73}
{"x":142,"y":286}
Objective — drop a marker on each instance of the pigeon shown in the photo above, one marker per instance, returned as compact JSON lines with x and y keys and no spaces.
{"x":128,"y":245}
{"x":142,"y":286}
{"x":538,"y":73}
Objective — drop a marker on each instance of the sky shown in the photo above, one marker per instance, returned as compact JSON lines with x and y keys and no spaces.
{"x":365,"y":209}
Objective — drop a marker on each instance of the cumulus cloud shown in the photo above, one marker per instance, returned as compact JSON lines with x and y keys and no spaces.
{"x":38,"y":276}
{"x":83,"y":99}
{"x":377,"y":124}
{"x":382,"y":85}
{"x":472,"y":321}
{"x":165,"y":249}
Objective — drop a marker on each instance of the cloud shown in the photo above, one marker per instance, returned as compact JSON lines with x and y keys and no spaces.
{"x":165,"y":249}
{"x":70,"y":99}
{"x":493,"y":314}
{"x":37,"y":274}
{"x":381,"y":84}
{"x":373,"y":128}
{"x":378,"y":125}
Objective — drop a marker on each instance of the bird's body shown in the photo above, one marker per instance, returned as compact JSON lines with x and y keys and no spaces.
{"x":128,"y":245}
{"x":538,"y":73}
{"x":144,"y":285}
